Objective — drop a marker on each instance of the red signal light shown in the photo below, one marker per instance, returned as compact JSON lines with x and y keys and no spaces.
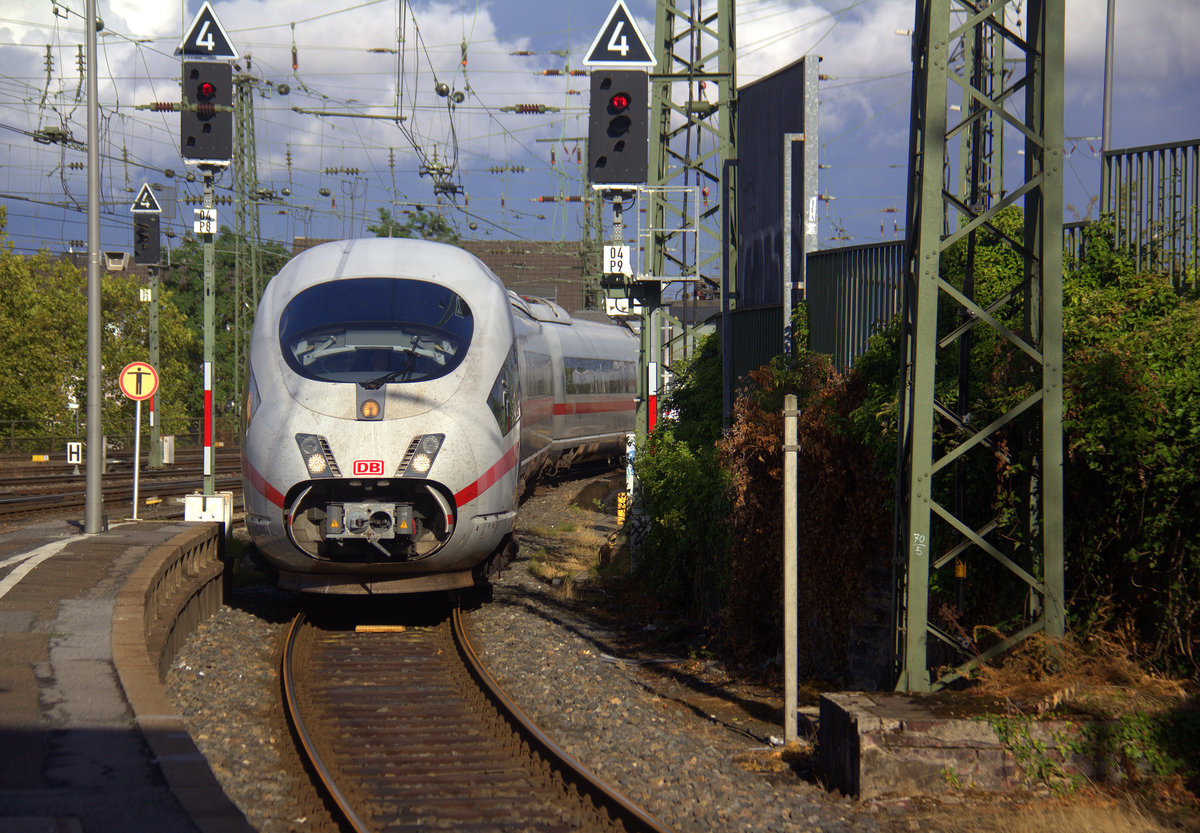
{"x":619,"y":101}
{"x":206,"y":90}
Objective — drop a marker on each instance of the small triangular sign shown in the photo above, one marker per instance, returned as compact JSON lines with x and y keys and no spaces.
{"x":619,"y":42}
{"x":145,"y":202}
{"x":206,"y":38}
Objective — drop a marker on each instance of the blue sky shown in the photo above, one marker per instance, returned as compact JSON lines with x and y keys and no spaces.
{"x":348,"y":61}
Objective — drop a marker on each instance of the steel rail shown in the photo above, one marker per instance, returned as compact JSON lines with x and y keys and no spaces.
{"x":619,"y":811}
{"x":296,"y":721}
{"x":631,"y":816}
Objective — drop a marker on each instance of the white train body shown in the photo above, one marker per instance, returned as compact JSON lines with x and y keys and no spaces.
{"x":397,"y":397}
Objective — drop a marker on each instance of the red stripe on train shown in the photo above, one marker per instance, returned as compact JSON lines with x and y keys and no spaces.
{"x":260,"y":483}
{"x":502,"y":467}
{"x":606,"y":407}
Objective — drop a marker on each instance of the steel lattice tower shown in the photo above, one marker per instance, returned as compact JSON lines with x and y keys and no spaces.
{"x":692,"y":133}
{"x":247,"y":278}
{"x":1025,"y":320}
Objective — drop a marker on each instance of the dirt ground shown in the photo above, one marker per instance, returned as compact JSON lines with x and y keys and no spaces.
{"x":566,"y":530}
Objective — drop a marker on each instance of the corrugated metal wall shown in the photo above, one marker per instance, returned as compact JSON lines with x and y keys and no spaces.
{"x":756,"y":337}
{"x":851,"y":291}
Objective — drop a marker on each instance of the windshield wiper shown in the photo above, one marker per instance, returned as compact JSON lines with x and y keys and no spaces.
{"x":395,"y":375}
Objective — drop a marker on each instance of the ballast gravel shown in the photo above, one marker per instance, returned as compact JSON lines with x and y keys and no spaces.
{"x":678,"y":765}
{"x":565,"y":672}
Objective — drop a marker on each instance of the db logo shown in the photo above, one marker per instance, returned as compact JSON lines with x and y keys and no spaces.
{"x":368,"y":468}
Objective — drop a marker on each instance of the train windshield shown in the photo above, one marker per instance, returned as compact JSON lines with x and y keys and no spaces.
{"x":375,"y":331}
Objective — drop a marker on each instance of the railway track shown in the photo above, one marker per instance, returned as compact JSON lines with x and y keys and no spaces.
{"x":61,"y":492}
{"x":405,"y":730}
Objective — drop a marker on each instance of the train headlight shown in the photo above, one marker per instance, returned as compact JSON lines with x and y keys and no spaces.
{"x":369,"y":409}
{"x":318,"y":459}
{"x":422,"y":451}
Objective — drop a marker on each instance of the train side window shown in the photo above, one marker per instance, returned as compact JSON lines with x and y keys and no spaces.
{"x":504,"y":400}
{"x":584,"y":376}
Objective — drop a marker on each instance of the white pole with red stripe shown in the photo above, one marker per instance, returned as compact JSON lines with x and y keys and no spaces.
{"x":651,"y":395}
{"x":205,"y":230}
{"x":209,"y":486}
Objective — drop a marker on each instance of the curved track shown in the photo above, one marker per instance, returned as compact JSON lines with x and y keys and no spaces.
{"x":406,"y":730}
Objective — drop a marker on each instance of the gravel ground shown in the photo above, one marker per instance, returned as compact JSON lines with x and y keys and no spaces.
{"x":689,"y":770}
{"x":695,"y":759}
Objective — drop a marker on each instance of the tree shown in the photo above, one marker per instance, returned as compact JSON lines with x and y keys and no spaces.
{"x":43,"y":337}
{"x":420,"y":223}
{"x":185,"y":279}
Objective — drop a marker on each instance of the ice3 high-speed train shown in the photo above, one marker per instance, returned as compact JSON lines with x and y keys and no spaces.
{"x":397,"y":398}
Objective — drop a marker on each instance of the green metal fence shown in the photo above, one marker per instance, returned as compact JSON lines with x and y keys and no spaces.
{"x":851,"y":291}
{"x":1152,"y":195}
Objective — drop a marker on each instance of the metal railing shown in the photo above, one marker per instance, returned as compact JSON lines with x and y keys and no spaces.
{"x":1152,"y":195}
{"x":851,"y":291}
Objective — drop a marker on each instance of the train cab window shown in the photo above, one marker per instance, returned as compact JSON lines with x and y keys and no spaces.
{"x":375,"y":331}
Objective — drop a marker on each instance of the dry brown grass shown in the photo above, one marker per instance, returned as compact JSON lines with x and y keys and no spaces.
{"x":1089,"y":811}
{"x":1083,"y":820}
{"x":1098,"y":677}
{"x":565,"y":555}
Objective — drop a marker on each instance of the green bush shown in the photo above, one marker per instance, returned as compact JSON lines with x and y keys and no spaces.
{"x":683,"y":558}
{"x":1132,"y":466}
{"x":1131,"y":434}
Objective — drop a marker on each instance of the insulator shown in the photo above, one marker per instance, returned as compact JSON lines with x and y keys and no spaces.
{"x":552,"y":72}
{"x":163,"y":106}
{"x":579,"y":72}
{"x":205,"y":108}
{"x":295,"y":60}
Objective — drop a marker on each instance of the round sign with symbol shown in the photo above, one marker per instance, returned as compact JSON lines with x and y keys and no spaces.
{"x":138,"y":380}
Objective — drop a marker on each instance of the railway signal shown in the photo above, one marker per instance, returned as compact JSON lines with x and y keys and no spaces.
{"x":206,"y":117}
{"x":618,"y":127}
{"x":146,"y":238}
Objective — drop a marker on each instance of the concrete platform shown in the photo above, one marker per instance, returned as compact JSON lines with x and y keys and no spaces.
{"x":875,"y":744}
{"x":74,"y":754}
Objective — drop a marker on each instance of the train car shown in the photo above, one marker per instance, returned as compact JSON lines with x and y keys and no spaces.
{"x":398,"y":397}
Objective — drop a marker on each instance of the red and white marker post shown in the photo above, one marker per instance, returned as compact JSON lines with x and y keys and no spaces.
{"x":651,"y":396}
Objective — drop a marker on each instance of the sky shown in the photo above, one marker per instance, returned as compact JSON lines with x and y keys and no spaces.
{"x":361,"y":58}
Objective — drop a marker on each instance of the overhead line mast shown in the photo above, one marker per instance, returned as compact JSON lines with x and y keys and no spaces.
{"x":1025,"y":321}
